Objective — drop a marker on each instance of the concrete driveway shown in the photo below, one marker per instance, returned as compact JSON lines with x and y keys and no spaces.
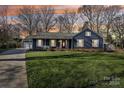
{"x":13,"y":69}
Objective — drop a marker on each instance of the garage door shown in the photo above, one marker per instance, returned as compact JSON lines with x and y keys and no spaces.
{"x":28,"y":45}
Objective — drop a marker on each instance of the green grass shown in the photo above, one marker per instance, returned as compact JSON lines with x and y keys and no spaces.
{"x":75,"y":69}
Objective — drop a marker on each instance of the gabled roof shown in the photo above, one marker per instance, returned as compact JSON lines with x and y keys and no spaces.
{"x":53,"y":35}
{"x":87,"y":29}
{"x":58,"y":35}
{"x":98,"y":34}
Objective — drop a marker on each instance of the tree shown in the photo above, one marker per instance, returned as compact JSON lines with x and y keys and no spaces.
{"x":15,"y":32}
{"x":46,"y":19}
{"x":60,"y":21}
{"x":4,"y":27}
{"x":68,"y":20}
{"x":27,"y":19}
{"x":100,"y":18}
{"x":93,"y":14}
{"x":118,"y":29}
{"x":110,"y":13}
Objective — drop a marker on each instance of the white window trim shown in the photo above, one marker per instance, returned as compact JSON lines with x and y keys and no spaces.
{"x":80,"y":42}
{"x":95,"y":45}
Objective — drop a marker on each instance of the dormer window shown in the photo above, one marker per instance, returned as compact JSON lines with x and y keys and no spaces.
{"x":87,"y":33}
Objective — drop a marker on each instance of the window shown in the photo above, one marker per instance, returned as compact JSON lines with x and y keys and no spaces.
{"x":53,"y":43}
{"x":87,"y":33}
{"x":95,"y":43}
{"x":39,"y":43}
{"x":80,"y":43}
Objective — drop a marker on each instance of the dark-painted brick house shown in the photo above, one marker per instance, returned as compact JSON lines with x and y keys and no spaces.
{"x":84,"y":39}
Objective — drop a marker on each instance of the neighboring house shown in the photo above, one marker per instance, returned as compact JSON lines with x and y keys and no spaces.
{"x":84,"y":39}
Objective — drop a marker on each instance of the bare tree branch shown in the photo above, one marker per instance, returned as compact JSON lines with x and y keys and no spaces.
{"x":27,"y":19}
{"x":46,"y":17}
{"x":93,"y":14}
{"x":68,"y":20}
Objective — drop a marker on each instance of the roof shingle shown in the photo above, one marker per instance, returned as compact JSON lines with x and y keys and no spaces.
{"x":54,"y":35}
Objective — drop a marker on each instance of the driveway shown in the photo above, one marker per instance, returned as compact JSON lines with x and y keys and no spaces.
{"x":13,"y":69}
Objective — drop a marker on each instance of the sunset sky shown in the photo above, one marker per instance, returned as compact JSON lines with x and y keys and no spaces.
{"x":13,"y":9}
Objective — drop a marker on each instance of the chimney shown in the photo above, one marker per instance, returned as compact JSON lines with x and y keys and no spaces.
{"x":86,"y":25}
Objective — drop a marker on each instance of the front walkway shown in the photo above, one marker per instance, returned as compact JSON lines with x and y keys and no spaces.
{"x":13,"y":69}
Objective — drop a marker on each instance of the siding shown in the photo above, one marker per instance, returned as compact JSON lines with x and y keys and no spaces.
{"x":81,"y":35}
{"x":88,"y":39}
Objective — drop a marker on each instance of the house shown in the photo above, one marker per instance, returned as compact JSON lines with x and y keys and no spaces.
{"x":84,"y":39}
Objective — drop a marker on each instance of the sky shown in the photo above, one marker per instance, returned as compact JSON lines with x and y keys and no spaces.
{"x":13,"y":9}
{"x":59,"y":9}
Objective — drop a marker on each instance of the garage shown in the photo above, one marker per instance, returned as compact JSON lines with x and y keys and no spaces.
{"x":27,"y":44}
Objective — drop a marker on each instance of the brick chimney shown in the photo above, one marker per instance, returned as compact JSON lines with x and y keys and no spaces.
{"x":86,"y":25}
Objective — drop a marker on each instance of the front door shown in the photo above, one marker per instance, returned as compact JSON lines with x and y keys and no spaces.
{"x":58,"y":43}
{"x":61,"y":43}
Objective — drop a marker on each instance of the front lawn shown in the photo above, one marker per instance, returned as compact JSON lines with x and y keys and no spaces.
{"x":75,"y":69}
